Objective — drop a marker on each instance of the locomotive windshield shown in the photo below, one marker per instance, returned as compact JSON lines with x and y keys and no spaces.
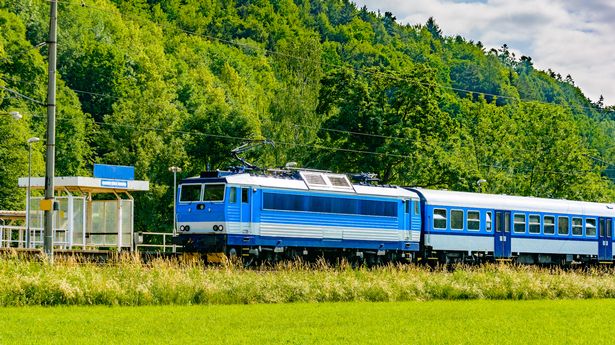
{"x":202,"y":192}
{"x":214,"y":192}
{"x":190,"y":192}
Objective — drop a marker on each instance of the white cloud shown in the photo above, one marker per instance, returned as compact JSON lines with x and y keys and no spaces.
{"x":573,"y":37}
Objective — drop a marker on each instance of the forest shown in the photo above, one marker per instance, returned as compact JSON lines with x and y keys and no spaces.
{"x":160,"y":83}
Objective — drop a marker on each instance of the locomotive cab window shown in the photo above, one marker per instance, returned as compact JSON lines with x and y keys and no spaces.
{"x":233,"y":195}
{"x":519,"y":223}
{"x":590,"y":227}
{"x":456,"y":220}
{"x":549,"y":225}
{"x":439,"y":218}
{"x":190,"y":192}
{"x":473,"y":220}
{"x":244,"y":195}
{"x":609,"y":227}
{"x":416,"y":207}
{"x":214,"y":192}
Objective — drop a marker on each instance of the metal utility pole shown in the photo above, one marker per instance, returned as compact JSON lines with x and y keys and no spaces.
{"x":48,"y":203}
{"x":175,"y":170}
{"x":28,"y":201}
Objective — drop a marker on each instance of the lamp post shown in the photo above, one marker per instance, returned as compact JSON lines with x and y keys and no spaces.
{"x":15,"y":114}
{"x":175,"y":170}
{"x":30,"y":142}
{"x":479,"y":183}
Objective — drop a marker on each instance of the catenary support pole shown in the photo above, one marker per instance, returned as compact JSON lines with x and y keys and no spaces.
{"x":175,"y":170}
{"x":51,"y":135}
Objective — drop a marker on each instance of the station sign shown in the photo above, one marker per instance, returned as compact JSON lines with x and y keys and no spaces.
{"x":114,"y":183}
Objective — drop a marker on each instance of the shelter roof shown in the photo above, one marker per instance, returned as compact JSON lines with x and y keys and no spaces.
{"x":87,"y":184}
{"x":12,"y":215}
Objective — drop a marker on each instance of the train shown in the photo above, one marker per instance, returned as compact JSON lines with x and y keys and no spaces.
{"x":309,"y":214}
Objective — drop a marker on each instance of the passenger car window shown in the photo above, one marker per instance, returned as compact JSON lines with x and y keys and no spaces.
{"x":534,"y":224}
{"x":562,"y":225}
{"x":439,"y":218}
{"x":488,"y":223}
{"x":473,"y":220}
{"x":577,"y":226}
{"x":457,"y":220}
{"x":519,"y":223}
{"x":590,"y":227}
{"x":549,"y":225}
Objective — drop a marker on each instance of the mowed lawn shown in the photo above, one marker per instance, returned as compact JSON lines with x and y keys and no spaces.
{"x":436,"y":322}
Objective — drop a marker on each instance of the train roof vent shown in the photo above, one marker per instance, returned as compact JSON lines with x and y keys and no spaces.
{"x":326,"y":181}
{"x":314,"y":179}
{"x":339,"y":181}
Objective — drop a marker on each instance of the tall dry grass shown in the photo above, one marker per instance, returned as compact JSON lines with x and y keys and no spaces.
{"x":128,"y":281}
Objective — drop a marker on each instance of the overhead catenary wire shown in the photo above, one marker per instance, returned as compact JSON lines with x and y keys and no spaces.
{"x":18,"y":54}
{"x":224,"y":136}
{"x":328,"y":148}
{"x":18,"y":94}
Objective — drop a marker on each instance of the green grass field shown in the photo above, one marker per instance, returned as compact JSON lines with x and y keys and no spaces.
{"x":434,"y":322}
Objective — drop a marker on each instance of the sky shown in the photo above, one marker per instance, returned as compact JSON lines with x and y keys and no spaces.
{"x":575,"y":37}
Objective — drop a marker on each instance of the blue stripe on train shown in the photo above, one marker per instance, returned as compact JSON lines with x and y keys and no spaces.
{"x":250,"y":240}
{"x":515,"y":236}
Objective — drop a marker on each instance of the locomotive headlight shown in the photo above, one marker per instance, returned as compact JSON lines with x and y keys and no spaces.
{"x":221,"y":227}
{"x":215,"y":228}
{"x":187,"y":228}
{"x":182,"y":228}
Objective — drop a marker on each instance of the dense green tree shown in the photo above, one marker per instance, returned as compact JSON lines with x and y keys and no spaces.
{"x":389,"y":123}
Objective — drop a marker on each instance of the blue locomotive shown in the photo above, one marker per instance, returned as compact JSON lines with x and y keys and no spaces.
{"x":307,"y":213}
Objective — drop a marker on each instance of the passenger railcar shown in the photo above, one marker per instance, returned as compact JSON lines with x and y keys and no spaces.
{"x":298,"y":214}
{"x":460,"y":226}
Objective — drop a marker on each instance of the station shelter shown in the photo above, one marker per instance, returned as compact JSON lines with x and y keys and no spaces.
{"x":90,"y":213}
{"x":10,"y":221}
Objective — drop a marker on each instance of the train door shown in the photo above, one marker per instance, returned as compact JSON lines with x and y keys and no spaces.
{"x":502,"y":247}
{"x":407,"y":226}
{"x":246,"y":210}
{"x":605,"y":234}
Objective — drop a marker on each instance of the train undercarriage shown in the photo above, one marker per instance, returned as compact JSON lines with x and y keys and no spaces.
{"x":217,"y":250}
